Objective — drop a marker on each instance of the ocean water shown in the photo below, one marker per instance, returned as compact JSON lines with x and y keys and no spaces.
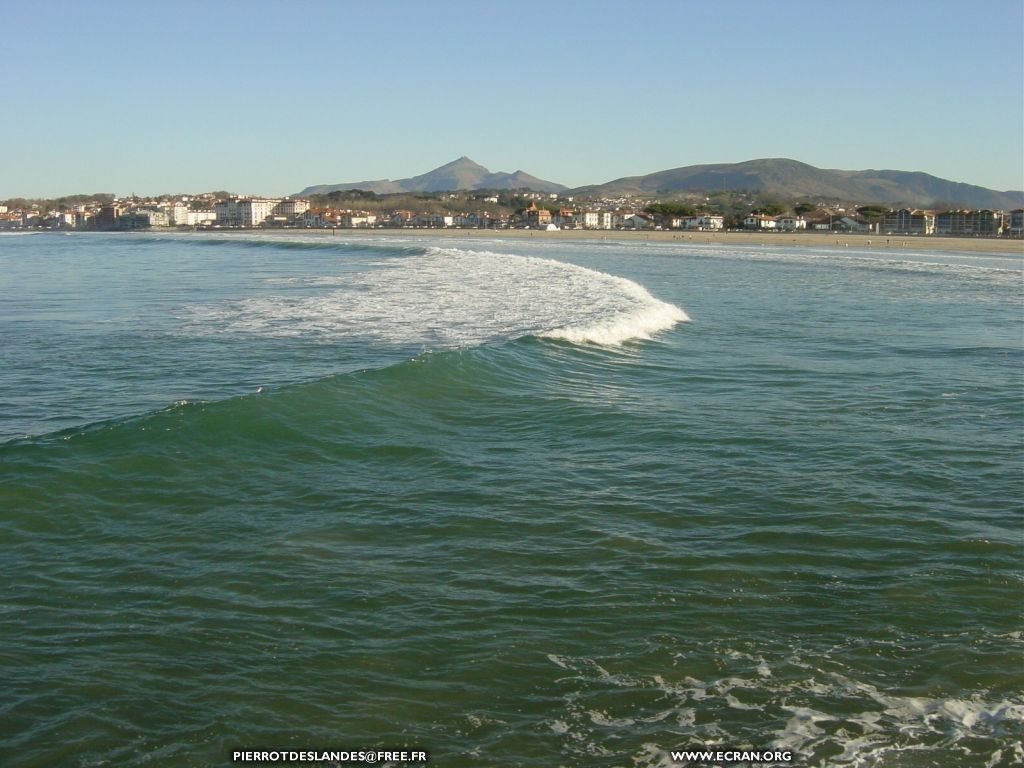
{"x":514,"y":503}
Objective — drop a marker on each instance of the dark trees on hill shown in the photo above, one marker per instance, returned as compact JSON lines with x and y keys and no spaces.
{"x":670,"y":209}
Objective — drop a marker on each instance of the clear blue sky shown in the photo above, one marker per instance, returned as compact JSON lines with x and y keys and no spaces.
{"x":269,"y":97}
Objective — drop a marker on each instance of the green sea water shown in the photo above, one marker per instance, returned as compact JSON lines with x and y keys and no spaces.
{"x":511,"y":503}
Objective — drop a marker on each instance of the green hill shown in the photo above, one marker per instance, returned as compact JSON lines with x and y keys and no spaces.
{"x":792,"y":179}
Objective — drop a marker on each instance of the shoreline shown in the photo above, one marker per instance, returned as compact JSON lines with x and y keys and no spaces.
{"x":790,"y":239}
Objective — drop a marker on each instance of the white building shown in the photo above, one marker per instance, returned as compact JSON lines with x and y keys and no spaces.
{"x":433,"y":220}
{"x":790,"y":223}
{"x":587,"y":219}
{"x":757,"y":221}
{"x":356,"y":220}
{"x":256,"y":210}
{"x":177,"y":214}
{"x":704,"y":221}
{"x":142,"y":219}
{"x":291,"y":208}
{"x":701,"y":221}
{"x":195,"y":218}
{"x":244,"y":212}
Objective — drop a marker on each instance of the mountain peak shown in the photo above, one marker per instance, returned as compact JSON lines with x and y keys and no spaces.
{"x":462,"y":173}
{"x":461,"y":163}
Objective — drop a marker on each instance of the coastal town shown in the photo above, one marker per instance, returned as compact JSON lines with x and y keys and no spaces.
{"x":523,"y":209}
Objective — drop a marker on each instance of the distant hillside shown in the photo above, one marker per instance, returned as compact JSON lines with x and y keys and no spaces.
{"x":791,"y":179}
{"x":458,"y":174}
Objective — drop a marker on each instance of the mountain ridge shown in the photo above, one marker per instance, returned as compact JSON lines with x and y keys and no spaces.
{"x":793,"y":179}
{"x":782,"y":177}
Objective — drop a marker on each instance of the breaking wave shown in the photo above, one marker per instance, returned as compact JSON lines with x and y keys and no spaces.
{"x":445,"y":298}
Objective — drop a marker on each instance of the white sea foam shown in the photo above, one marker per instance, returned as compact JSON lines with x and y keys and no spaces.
{"x":647,"y":317}
{"x":888,"y":723}
{"x":449,"y":298}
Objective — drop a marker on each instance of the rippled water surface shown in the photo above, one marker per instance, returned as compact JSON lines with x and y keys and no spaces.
{"x":514,"y":503}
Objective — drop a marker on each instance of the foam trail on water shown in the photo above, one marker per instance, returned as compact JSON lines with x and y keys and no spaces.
{"x":446,"y":298}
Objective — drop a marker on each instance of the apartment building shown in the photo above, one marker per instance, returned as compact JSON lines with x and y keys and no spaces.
{"x":244,"y":211}
{"x":909,"y":221}
{"x":983,"y":222}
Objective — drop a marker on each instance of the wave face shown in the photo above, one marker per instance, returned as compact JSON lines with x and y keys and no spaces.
{"x":139,"y":322}
{"x":376,"y":491}
{"x":450,"y":297}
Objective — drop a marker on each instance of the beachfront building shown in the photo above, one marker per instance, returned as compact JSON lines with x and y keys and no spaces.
{"x":967,"y":223}
{"x":200,"y":218}
{"x":534,"y":216}
{"x":227,"y":212}
{"x":909,"y":222}
{"x":59,"y":220}
{"x":638,"y":221}
{"x":180,"y":215}
{"x":790,"y":223}
{"x":254,"y":211}
{"x":704,"y":221}
{"x":401,"y":219}
{"x":565,"y":218}
{"x":586,"y":219}
{"x":496,"y":221}
{"x":244,"y":211}
{"x":10,"y":220}
{"x":319,"y":218}
{"x":141,"y":219}
{"x":849,"y":224}
{"x":177,"y":213}
{"x":433,"y":220}
{"x":1016,"y":224}
{"x":759,"y":221}
{"x":106,"y":218}
{"x":291,"y":209}
{"x":357,"y":220}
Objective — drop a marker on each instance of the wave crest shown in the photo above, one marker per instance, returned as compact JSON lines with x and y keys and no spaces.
{"x":650,"y":317}
{"x":445,"y":298}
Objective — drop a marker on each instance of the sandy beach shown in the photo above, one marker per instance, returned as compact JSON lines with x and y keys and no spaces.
{"x":789,"y":239}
